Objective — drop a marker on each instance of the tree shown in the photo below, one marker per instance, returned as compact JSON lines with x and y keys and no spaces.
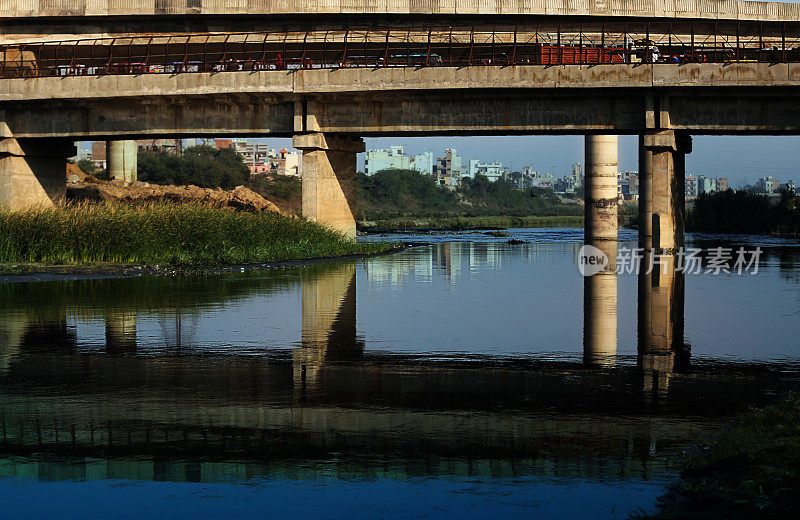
{"x":203,"y":166}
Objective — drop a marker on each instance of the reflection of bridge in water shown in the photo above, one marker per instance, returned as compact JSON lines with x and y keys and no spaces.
{"x":331,"y":408}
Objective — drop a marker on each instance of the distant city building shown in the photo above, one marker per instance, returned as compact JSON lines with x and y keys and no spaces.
{"x":492,"y":171}
{"x":99,"y":154}
{"x":691,"y":187}
{"x":395,"y":159}
{"x":767,"y":184}
{"x":722,"y":184}
{"x":789,"y":186}
{"x":448,"y":171}
{"x":261,"y":159}
{"x":706,"y":184}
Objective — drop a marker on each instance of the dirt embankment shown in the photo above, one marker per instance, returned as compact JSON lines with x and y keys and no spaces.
{"x":82,"y":187}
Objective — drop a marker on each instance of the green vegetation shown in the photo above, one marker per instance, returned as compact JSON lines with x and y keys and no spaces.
{"x":741,"y":212}
{"x":278,"y":186}
{"x":90,"y":168}
{"x":750,"y":471}
{"x":202,"y":166}
{"x":406,"y":195}
{"x":165,"y":234}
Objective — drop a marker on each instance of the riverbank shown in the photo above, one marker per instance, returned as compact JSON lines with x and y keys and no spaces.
{"x":165,"y":234}
{"x":470,"y":223}
{"x":751,"y":471}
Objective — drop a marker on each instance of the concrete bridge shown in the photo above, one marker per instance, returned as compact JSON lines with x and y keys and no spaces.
{"x":735,"y":69}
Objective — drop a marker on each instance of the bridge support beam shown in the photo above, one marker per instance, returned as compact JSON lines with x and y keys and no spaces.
{"x":600,"y":212}
{"x":328,"y":174}
{"x":122,"y":160}
{"x":662,"y":174}
{"x":33,"y":171}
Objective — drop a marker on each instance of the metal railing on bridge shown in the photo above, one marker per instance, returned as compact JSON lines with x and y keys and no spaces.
{"x":552,"y":44}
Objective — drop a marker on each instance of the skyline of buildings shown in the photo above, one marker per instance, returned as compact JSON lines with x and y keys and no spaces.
{"x":447,"y":170}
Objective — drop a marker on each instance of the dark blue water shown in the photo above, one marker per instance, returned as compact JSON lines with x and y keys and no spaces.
{"x":463,"y":377}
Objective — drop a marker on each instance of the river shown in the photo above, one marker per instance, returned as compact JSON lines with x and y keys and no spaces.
{"x":464,"y":377}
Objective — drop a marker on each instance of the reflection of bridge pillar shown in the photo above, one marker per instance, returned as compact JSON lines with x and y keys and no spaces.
{"x":660,"y":321}
{"x":600,"y":217}
{"x":600,"y":309}
{"x":662,"y":167}
{"x":329,"y":322}
{"x":121,"y":333}
{"x":328,"y":173}
{"x":122,"y":160}
{"x":33,"y":172}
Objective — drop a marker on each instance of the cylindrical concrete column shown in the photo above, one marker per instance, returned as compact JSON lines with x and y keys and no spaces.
{"x":600,"y":309}
{"x":121,"y":333}
{"x":600,"y":217}
{"x":121,"y":160}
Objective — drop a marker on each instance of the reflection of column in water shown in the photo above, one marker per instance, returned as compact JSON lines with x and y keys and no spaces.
{"x":120,"y":332}
{"x":329,"y":322}
{"x":13,"y":326}
{"x":660,"y":321}
{"x":600,"y":309}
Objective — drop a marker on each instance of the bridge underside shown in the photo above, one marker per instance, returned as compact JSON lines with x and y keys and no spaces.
{"x":327,"y":111}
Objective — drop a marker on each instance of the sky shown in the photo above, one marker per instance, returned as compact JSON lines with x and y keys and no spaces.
{"x":742,"y":159}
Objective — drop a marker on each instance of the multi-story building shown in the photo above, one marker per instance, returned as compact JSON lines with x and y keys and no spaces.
{"x":492,"y":171}
{"x":767,"y":184}
{"x":789,"y":186}
{"x":99,"y":154}
{"x":706,"y":184}
{"x":395,"y":159}
{"x":722,"y":184}
{"x":448,"y":171}
{"x":691,"y":187}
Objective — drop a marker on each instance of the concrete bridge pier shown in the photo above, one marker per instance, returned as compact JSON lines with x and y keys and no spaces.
{"x":328,"y":168}
{"x":662,"y":350}
{"x":600,"y":231}
{"x":662,"y":174}
{"x":122,"y":160}
{"x":600,"y":213}
{"x":600,"y":309}
{"x":121,"y":332}
{"x":328,"y":331}
{"x":33,"y":171}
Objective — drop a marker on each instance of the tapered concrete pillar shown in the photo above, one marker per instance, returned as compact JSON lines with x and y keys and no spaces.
{"x":661,"y":346}
{"x":328,"y":322}
{"x":122,"y":161}
{"x":600,"y":309}
{"x":600,"y":217}
{"x":33,"y":171}
{"x":662,"y":164}
{"x":328,"y":168}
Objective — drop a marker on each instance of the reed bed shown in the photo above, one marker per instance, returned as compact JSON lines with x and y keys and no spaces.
{"x":165,"y":234}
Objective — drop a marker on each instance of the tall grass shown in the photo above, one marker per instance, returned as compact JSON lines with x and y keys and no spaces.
{"x":175,"y":234}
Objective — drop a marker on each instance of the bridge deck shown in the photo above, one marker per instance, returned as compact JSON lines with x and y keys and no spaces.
{"x":697,"y":9}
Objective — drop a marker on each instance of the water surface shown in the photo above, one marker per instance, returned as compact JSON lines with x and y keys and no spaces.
{"x":463,"y":377}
